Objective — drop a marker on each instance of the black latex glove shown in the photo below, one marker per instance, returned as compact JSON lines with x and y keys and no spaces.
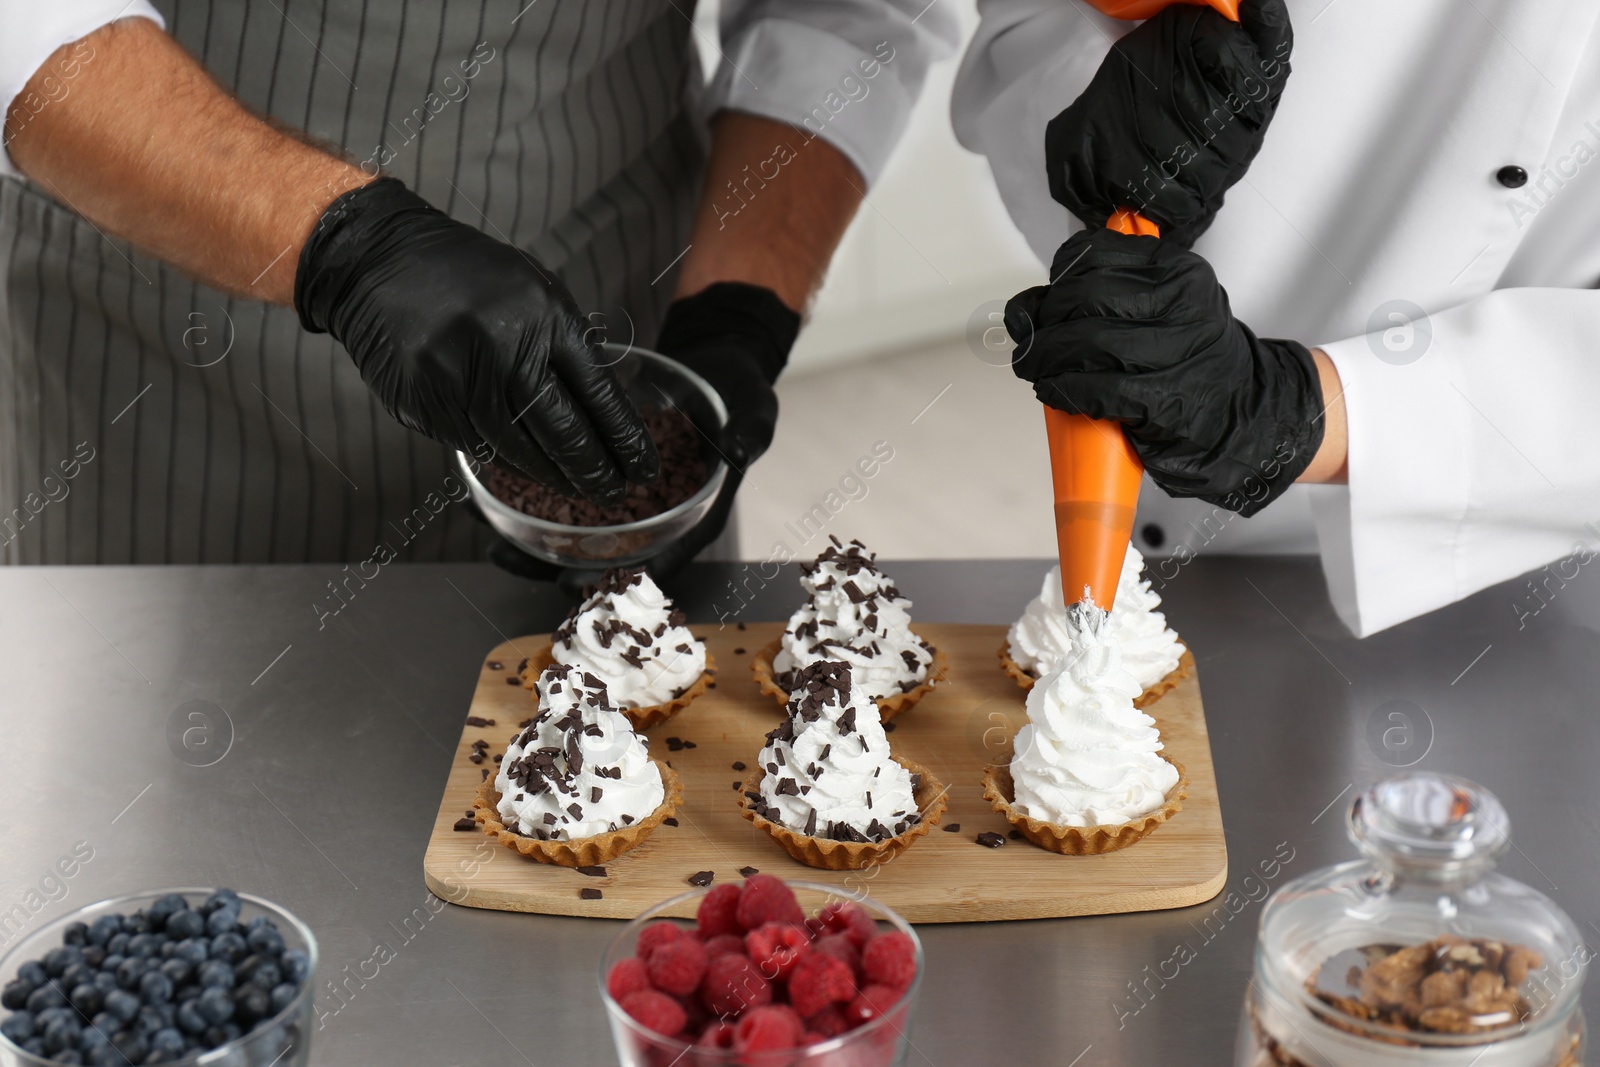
{"x":737,"y":337}
{"x":1172,"y":118}
{"x":470,"y":341}
{"x":1138,"y":329}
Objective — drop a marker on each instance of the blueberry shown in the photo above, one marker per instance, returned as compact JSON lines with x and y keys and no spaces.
{"x":18,"y":1026}
{"x":266,"y":974}
{"x":34,"y":1045}
{"x":57,"y":960}
{"x":148,"y":1021}
{"x":105,"y":1056}
{"x":75,"y":934}
{"x":15,"y":994}
{"x":185,"y":923}
{"x":122,"y":1005}
{"x":166,"y":905}
{"x":129,"y":972}
{"x":155,"y":987}
{"x":93,"y":955}
{"x":169,"y":949}
{"x":265,"y":939}
{"x":229,"y":947}
{"x":296,"y":965}
{"x":46,"y":996}
{"x":190,"y":1019}
{"x":132,"y":1045}
{"x":261,"y":922}
{"x":251,"y":1003}
{"x":221,"y":898}
{"x":178,"y":970}
{"x":194,"y":951}
{"x":87,"y":999}
{"x":106,"y":981}
{"x":216,"y":1005}
{"x":112,"y":962}
{"x":187,"y":991}
{"x":222,"y":921}
{"x":118,"y":944}
{"x":76,"y":975}
{"x":144,"y":945}
{"x":60,"y":1034}
{"x":104,"y":928}
{"x":282,"y":996}
{"x":69,"y":1056}
{"x":32,"y":972}
{"x":105,"y":1022}
{"x":217,"y":973}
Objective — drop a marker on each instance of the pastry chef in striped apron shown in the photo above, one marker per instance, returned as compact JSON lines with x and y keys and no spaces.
{"x":263,"y":265}
{"x":1395,"y":305}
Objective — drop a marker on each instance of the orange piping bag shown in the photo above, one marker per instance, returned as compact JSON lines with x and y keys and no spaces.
{"x":1093,"y":470}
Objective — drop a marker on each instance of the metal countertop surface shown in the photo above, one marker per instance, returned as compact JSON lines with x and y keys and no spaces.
{"x":333,"y":741}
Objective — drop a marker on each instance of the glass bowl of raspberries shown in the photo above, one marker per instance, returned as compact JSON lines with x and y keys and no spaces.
{"x":170,"y":976}
{"x":768,"y":973}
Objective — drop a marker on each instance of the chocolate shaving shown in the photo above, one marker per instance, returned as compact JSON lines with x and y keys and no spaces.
{"x":701,"y":878}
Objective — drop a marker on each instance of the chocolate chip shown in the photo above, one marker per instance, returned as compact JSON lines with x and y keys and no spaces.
{"x":495,"y":665}
{"x":525,"y":723}
{"x":702,"y":878}
{"x":465,"y":824}
{"x":738,"y":652}
{"x":469,"y":813}
{"x":738,"y":785}
{"x":478,"y":720}
{"x":1015,"y":835}
{"x":512,"y":679}
{"x":990,"y":839}
{"x":590,"y":894}
{"x":951,"y":828}
{"x":477,"y":757}
{"x":746,"y":872}
{"x":670,"y":821}
{"x":593,"y":871}
{"x":485,"y":777}
{"x":888,"y":727}
{"x":738,"y":765}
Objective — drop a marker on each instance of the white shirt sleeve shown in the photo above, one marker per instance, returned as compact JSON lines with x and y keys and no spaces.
{"x":30,"y":32}
{"x":1469,"y":463}
{"x":848,"y":71}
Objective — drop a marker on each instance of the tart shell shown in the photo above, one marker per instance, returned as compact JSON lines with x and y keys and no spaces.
{"x":1000,"y":791}
{"x":583,"y":851}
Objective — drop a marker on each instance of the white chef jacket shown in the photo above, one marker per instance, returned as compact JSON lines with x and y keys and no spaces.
{"x":847,"y":70}
{"x":1471,"y":445}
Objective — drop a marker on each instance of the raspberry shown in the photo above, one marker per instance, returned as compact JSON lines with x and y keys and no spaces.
{"x":627,"y":976}
{"x":776,"y":947}
{"x":890,"y":959}
{"x":765,"y":899}
{"x":809,"y":1038}
{"x":722,"y":944}
{"x":694,"y":1012}
{"x":848,"y":917}
{"x":653,"y":937}
{"x":871,"y":1002}
{"x":841,"y":948}
{"x":717,"y":1035}
{"x":829,"y":1022}
{"x":655,"y":1011}
{"x":732,"y":984}
{"x":767,"y":1029}
{"x":818,"y":981}
{"x":677,"y":966}
{"x":717,"y":911}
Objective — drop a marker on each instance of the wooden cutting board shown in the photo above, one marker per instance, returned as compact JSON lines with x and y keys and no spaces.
{"x":955,"y":731}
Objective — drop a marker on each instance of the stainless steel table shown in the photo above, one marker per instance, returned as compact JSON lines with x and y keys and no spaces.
{"x":327,"y":739}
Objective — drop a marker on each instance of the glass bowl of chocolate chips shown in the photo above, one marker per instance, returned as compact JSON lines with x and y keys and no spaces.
{"x":1419,"y":954}
{"x":685,"y":417}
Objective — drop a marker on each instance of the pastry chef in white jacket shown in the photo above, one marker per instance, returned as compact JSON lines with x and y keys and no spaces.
{"x":1423,"y":218}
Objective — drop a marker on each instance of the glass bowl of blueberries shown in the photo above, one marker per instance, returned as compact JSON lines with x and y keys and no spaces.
{"x":168,"y":976}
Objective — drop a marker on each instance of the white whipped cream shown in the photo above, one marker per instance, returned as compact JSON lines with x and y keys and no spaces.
{"x":828,"y":769}
{"x":855,"y":615}
{"x":1087,"y":756}
{"x":628,"y":634}
{"x":1039,"y":640}
{"x":578,"y":769}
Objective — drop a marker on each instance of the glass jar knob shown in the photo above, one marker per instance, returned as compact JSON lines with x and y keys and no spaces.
{"x":1428,"y":825}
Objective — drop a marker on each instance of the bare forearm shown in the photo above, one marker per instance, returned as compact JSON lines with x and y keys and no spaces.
{"x":1332,"y":460}
{"x":147,"y":147}
{"x":776,"y":202}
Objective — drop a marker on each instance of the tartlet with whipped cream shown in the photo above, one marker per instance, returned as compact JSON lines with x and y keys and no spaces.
{"x":629,"y":634}
{"x":1086,"y":775}
{"x":1039,"y":641}
{"x":577,"y":785}
{"x":853,"y":614}
{"x":826,"y":786}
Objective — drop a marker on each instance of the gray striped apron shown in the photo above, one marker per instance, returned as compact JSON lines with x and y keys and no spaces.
{"x":145,"y":418}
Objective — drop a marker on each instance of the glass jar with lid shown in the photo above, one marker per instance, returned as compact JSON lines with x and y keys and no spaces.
{"x":1419,"y":954}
